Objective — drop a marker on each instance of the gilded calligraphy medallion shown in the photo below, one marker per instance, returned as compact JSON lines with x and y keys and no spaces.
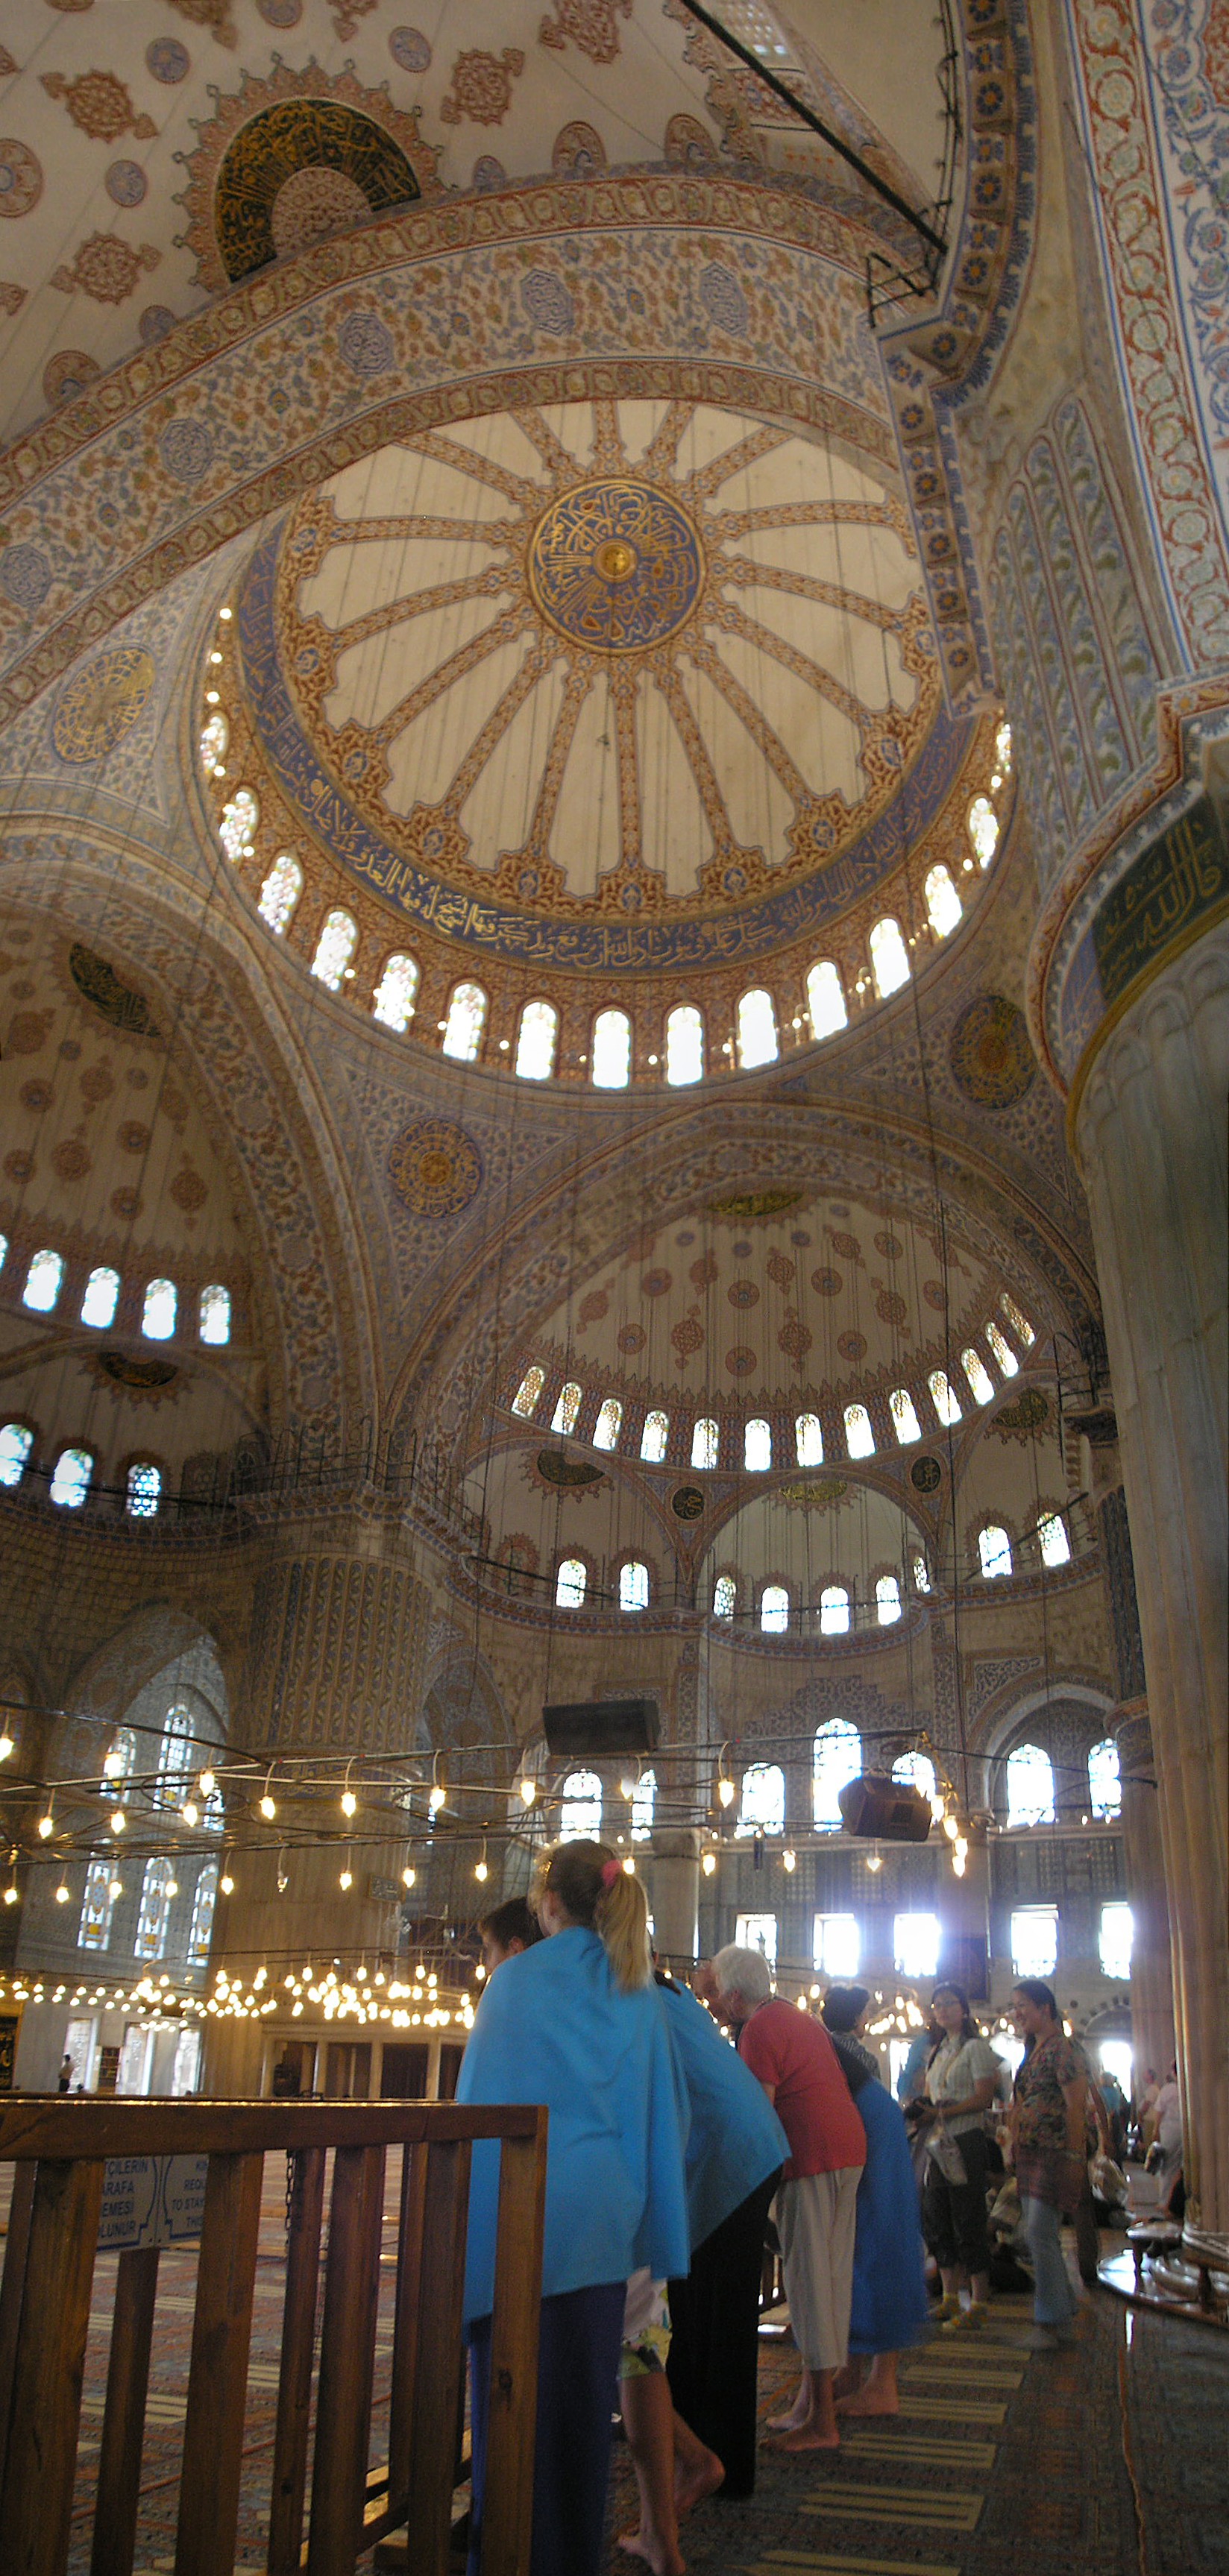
{"x":616,"y":566}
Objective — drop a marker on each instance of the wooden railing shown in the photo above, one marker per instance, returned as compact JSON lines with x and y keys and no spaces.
{"x":60,"y":2149}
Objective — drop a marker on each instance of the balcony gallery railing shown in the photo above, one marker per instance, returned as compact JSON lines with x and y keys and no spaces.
{"x":60,"y":2150}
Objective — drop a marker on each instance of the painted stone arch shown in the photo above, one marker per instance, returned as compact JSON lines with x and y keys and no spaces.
{"x":156,"y":1656}
{"x":1065,"y":1718}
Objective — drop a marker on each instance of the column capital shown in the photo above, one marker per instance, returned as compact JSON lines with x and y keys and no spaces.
{"x":1132,"y":1733}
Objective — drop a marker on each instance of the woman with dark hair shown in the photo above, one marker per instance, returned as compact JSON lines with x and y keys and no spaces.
{"x":1048,"y":2112}
{"x":889,"y":2285}
{"x":960,"y":2079}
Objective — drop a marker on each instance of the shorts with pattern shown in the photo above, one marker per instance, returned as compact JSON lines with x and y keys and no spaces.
{"x":646,"y":2327}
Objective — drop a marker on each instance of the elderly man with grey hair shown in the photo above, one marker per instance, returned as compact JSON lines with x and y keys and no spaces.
{"x":816,"y":2203}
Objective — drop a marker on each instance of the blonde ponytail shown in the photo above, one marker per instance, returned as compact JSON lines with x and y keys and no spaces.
{"x":595,"y":1890}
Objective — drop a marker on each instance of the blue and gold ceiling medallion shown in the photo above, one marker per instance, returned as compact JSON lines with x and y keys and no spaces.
{"x":616,"y":566}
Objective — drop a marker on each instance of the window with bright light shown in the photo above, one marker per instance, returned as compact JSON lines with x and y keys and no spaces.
{"x":994,"y":1549}
{"x":159,"y":1311}
{"x":609,"y":1424}
{"x":943,"y":904}
{"x":944,"y":1395}
{"x":570,"y":1584}
{"x":887,"y":1599}
{"x":983,"y":830}
{"x":762,"y":1805}
{"x":838,"y":1946}
{"x":1034,"y":1940}
{"x":43,"y":1280}
{"x":1055,"y":1544}
{"x":826,"y":1000}
{"x":915,"y":1945}
{"x":1019,"y":1322}
{"x":654,"y":1437}
{"x":1115,"y":1942}
{"x":1118,"y":2059}
{"x":174,"y":1757}
{"x":97,"y":1908}
{"x":1002,"y":1350}
{"x":809,"y":1440}
{"x":280,"y":892}
{"x":237,"y":828}
{"x":725,"y":1596}
{"x":705,"y":1442}
{"x":101,"y":1298}
{"x":644,"y":1800}
{"x":119,"y":1763}
{"x":904,"y":1416}
{"x":564,"y":1416}
{"x":214,"y":1314}
{"x":634,"y":1586}
{"x":154,"y":1918}
{"x":1030,"y":1786}
{"x":859,"y":1435}
{"x":215,"y":735}
{"x":774,"y":1610}
{"x":757,"y":1030}
{"x":1105,"y":1779}
{"x":535,"y":1041}
{"x":213,"y":1813}
{"x":393,"y":999}
{"x":204,"y":1900}
{"x":143,"y":1491}
{"x":71,"y":1481}
{"x":465,"y":1023}
{"x":612,"y":1051}
{"x":758,"y":1932}
{"x":757,"y":1445}
{"x":981,"y":1384}
{"x":915,"y":1770}
{"x":16,"y":1442}
{"x":684,"y":1045}
{"x":525,"y":1400}
{"x":889,"y":958}
{"x":836,"y":1760}
{"x":580,"y":1816}
{"x":4,"y":1250}
{"x":921,"y":1577}
{"x":834,"y":1611}
{"x":1002,"y":754}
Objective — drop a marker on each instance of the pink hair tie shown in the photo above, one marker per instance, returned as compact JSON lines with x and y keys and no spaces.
{"x":610,"y":1872}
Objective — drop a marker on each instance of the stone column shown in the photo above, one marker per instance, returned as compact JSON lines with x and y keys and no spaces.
{"x":1152,"y":1990}
{"x":674,"y":1895}
{"x":1150,"y":1139}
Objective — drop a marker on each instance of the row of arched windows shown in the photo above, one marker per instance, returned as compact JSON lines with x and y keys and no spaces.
{"x":73,"y":1473}
{"x":580,"y":1813}
{"x":160,"y":1317}
{"x":159,"y":1889}
{"x":837,"y":1759}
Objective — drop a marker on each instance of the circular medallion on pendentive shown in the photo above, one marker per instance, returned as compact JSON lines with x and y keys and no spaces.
{"x":616,"y":566}
{"x":926,"y":1475}
{"x":688,"y":1503}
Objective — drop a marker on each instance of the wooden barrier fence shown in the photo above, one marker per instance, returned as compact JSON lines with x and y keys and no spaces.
{"x":60,"y":2148}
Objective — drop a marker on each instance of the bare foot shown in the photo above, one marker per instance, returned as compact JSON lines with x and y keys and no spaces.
{"x":866,"y":2402}
{"x":664,"y":2560}
{"x":786,"y":2423}
{"x":691,"y":2487}
{"x":805,"y":2437}
{"x":848,"y":2380}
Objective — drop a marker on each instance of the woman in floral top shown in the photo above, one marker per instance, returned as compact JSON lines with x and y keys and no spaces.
{"x":1048,"y":2112}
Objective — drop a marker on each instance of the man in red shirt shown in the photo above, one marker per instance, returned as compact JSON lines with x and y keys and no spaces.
{"x":815,"y":2208}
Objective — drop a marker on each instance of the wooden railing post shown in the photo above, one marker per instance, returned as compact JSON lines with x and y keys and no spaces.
{"x":294,"y":2387}
{"x":433,"y":2416}
{"x":123,"y":2423}
{"x":217,"y":2376}
{"x":507,"y":2520}
{"x":12,"y":2289}
{"x":412,"y":2220}
{"x":36,"y":2505}
{"x":347,"y":2362}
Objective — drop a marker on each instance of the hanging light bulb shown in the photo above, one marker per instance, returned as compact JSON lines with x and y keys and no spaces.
{"x":118,"y":1821}
{"x":407,"y":1877}
{"x":172,"y":1887}
{"x":207,"y":1784}
{"x":725,"y":1791}
{"x":61,"y":1894}
{"x":789,"y":1860}
{"x":191,"y":1812}
{"x":268,"y":1805}
{"x":958,"y":1864}
{"x":115,"y":1888}
{"x":529,"y":1789}
{"x":113,"y":1765}
{"x":346,"y":1880}
{"x":349,"y":1803}
{"x":709,"y":1863}
{"x":951,"y":1826}
{"x":6,"y":1745}
{"x":226,"y":1883}
{"x":10,"y":1893}
{"x":46,"y":1826}
{"x":874,"y":1860}
{"x":629,"y":1867}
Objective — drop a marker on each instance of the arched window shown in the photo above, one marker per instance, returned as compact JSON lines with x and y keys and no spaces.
{"x":203,"y":1903}
{"x":393,"y":998}
{"x":1019,"y":1322}
{"x":119,"y":1763}
{"x":921,"y":1577}
{"x":705,"y":1442}
{"x":334,"y":949}
{"x":762,"y":1805}
{"x":571,"y":1583}
{"x":1030,"y":1786}
{"x":644,"y":1800}
{"x":904,"y":1416}
{"x":1055,"y":1544}
{"x":634,"y":1586}
{"x":859,"y":1437}
{"x":757,"y":1445}
{"x":981,"y":1384}
{"x":1002,"y":1350}
{"x":774,"y":1610}
{"x":564,"y":1416}
{"x":1002,"y":748}
{"x":994,"y":1549}
{"x":535,"y":1041}
{"x":684,"y":1045}
{"x":654,"y":1437}
{"x":836,"y":1759}
{"x":915,"y":1945}
{"x":609,"y":1424}
{"x":580,"y":1817}
{"x":213,"y":1813}
{"x":889,"y":957}
{"x":43,"y":1280}
{"x":71,"y":1481}
{"x":16,"y":1442}
{"x":887,"y":1599}
{"x":983,"y":830}
{"x":1104,"y":1779}
{"x":214,"y":1313}
{"x":808,"y":1440}
{"x":174,"y":1757}
{"x":757,"y":1029}
{"x":612,"y":1051}
{"x":944,"y":1395}
{"x":525,"y":1400}
{"x":215,"y":735}
{"x":159,"y":1311}
{"x":465,"y":1023}
{"x":1115,"y":1943}
{"x":237,"y":828}
{"x":97,"y":1908}
{"x":143,"y":1491}
{"x":916,"y":1771}
{"x":101,"y":1298}
{"x":154,"y":1918}
{"x":943,"y":904}
{"x":725,"y":1595}
{"x":826,"y":1000}
{"x":280,"y":892}
{"x":834,"y":1611}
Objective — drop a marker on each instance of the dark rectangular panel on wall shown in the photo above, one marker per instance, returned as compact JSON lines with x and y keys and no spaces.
{"x":598,"y":1729}
{"x":965,"y":1958}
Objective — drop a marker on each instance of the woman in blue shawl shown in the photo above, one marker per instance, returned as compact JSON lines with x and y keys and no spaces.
{"x":890,"y":2306}
{"x":577,"y":2023}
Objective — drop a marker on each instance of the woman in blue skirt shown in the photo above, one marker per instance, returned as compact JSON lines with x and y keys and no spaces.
{"x":889,"y":2284}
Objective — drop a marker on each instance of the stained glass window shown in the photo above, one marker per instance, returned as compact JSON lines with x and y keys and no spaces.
{"x":97,"y":1908}
{"x":981,"y":1384}
{"x":983,"y":830}
{"x":393,"y":999}
{"x":826,"y":1000}
{"x":16,"y":1442}
{"x":1055,"y":1544}
{"x":836,"y":1760}
{"x":43,"y":1280}
{"x":237,"y":829}
{"x":808,"y":1440}
{"x":1002,"y":747}
{"x":215,"y":735}
{"x":203,"y":1903}
{"x":1105,"y":1779}
{"x":154,"y":1918}
{"x":564,"y":1416}
{"x":1002,"y":1350}
{"x":757,"y":1030}
{"x":101,"y":1298}
{"x":1019,"y":1323}
{"x":525,"y":1400}
{"x":281,"y":891}
{"x":834,"y":1611}
{"x":535,"y":1043}
{"x":838,"y":1945}
{"x":71,"y":1481}
{"x":159,"y":1311}
{"x":1034,"y":1940}
{"x":143,"y":1491}
{"x":214,"y":1313}
{"x":612,"y":1050}
{"x":774,"y":1610}
{"x":643,"y":1803}
{"x":887,"y":1599}
{"x":119,"y":1761}
{"x":1030,"y":1786}
{"x":994,"y":1549}
{"x":889,"y":958}
{"x":705,"y":1442}
{"x":944,"y":1395}
{"x":904,"y":1416}
{"x":654,"y":1437}
{"x":633,"y":1587}
{"x":757,"y":1445}
{"x":334,"y":949}
{"x":174,"y":1757}
{"x":759,"y":1931}
{"x":725,"y":1594}
{"x":609,"y":1424}
{"x":684,"y":1045}
{"x":921,"y":1578}
{"x":762,"y":1806}
{"x":943,"y":904}
{"x":580,"y":1818}
{"x":570,"y":1584}
{"x":859,"y":1436}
